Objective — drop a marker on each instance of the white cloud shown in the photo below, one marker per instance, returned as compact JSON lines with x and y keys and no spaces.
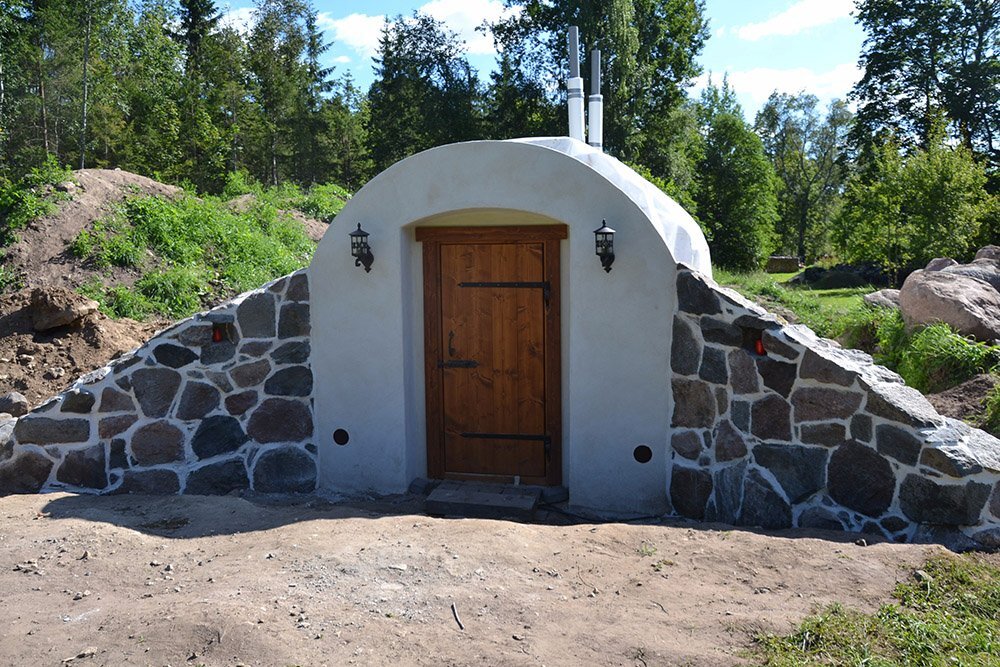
{"x":464,"y":16}
{"x":241,"y":19}
{"x":361,"y":32}
{"x":342,"y":60}
{"x":755,"y":85}
{"x":801,"y":16}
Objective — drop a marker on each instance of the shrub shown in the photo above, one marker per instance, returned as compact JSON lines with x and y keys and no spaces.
{"x":937,"y":358}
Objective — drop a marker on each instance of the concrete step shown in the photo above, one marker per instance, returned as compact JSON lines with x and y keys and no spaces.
{"x":483,"y":501}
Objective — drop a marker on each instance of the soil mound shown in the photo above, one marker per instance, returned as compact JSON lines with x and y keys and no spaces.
{"x":965,"y":401}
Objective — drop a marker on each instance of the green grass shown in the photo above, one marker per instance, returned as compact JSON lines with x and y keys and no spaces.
{"x":29,"y":198}
{"x":827,"y":312}
{"x":949,"y":617}
{"x":991,"y":418}
{"x":191,"y":252}
{"x":937,"y":358}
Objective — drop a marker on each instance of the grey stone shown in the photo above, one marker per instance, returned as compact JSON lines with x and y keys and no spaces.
{"x":14,"y":404}
{"x":687,"y":444}
{"x":280,"y":420}
{"x":298,"y":288}
{"x":685,"y":350}
{"x":925,"y":501}
{"x":713,"y":366}
{"x":987,"y":270}
{"x":763,"y":506}
{"x":801,"y":471}
{"x":743,"y":373}
{"x":294,"y":320}
{"x":774,"y":344}
{"x":157,"y":442}
{"x":6,"y":438}
{"x":155,"y":389}
{"x":85,"y":468}
{"x":256,"y":316}
{"x":901,"y":404}
{"x":741,"y":415}
{"x":173,"y":356}
{"x":762,"y":323}
{"x":218,"y":479}
{"x":721,"y":399}
{"x":995,"y":501}
{"x":777,"y":375}
{"x":694,"y":295}
{"x":770,"y":419}
{"x":278,"y":286}
{"x":694,"y":405}
{"x":296,"y":352}
{"x":216,"y":435}
{"x":284,"y":470}
{"x":958,"y":296}
{"x":238,"y":404}
{"x":689,"y":491}
{"x":719,"y":331}
{"x":897,"y":443}
{"x":894,"y":524}
{"x":952,"y":461}
{"x":118,"y":458}
{"x":255,"y":348}
{"x":109,"y":427}
{"x":822,"y":404}
{"x":988,"y":252}
{"x":819,"y":517}
{"x":729,"y":492}
{"x":216,"y":353}
{"x":252,"y":374}
{"x":78,"y":401}
{"x":815,"y":367}
{"x":939,"y":263}
{"x":828,"y":435}
{"x":197,"y":400}
{"x":989,"y":538}
{"x":113,"y":400}
{"x":883,"y":298}
{"x":155,"y":482}
{"x":196,"y":335}
{"x":48,"y":431}
{"x":861,"y":480}
{"x":861,"y":428}
{"x":729,"y":444}
{"x":220,"y":380}
{"x":291,"y":381}
{"x":26,"y":472}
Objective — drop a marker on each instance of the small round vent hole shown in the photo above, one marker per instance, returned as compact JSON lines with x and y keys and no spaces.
{"x":642,"y":454}
{"x":341,"y":437}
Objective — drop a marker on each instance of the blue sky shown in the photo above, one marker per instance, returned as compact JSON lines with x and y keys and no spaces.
{"x":762,"y":45}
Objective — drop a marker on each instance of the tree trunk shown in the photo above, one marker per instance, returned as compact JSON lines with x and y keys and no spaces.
{"x":41,"y":95}
{"x":86,"y":61}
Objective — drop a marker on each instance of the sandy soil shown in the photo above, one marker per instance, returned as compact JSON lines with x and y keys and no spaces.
{"x":965,"y":401}
{"x":230,"y":581}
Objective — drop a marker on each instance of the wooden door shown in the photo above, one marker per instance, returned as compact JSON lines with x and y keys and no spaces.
{"x":491,"y":316}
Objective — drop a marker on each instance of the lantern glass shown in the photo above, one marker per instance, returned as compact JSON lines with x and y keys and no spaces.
{"x":604,"y":245}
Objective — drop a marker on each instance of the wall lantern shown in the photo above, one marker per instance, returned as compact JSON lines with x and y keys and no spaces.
{"x":604,"y":239}
{"x":360,"y":250}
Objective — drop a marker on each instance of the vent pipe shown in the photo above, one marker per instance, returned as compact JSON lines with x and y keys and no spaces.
{"x":595,"y":111}
{"x":574,"y":86}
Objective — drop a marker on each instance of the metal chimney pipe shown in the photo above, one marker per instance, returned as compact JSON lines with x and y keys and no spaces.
{"x":595,"y":102}
{"x":574,"y":86}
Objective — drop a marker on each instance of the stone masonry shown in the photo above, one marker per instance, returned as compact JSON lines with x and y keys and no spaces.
{"x":220,"y":402}
{"x":811,"y":435}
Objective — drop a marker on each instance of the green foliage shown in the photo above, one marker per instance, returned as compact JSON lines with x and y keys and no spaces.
{"x":29,"y":198}
{"x":991,"y":416}
{"x":736,"y":196}
{"x":946,"y":616}
{"x":907,"y":210}
{"x":937,"y":358}
{"x":193,"y":250}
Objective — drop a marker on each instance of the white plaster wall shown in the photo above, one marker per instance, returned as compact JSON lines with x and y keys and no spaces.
{"x":368,"y":328}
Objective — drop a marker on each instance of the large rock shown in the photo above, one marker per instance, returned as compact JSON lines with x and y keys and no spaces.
{"x":685,"y":350}
{"x":926,"y":501}
{"x":53,"y":307}
{"x":155,"y":389}
{"x":48,"y":431}
{"x":218,"y":435}
{"x":156,"y":443}
{"x":883,"y":298}
{"x":197,"y":400}
{"x":987,"y":270}
{"x":218,"y":479}
{"x":25,"y":473}
{"x":280,"y":420}
{"x":822,"y":404}
{"x":285,"y":470}
{"x":988,"y":252}
{"x":968,"y":304}
{"x":689,"y":491}
{"x":771,"y":419}
{"x":14,"y":404}
{"x":801,"y":471}
{"x":84,"y":468}
{"x":694,"y":404}
{"x":256,"y":316}
{"x":291,"y":381}
{"x":861,"y":480}
{"x":762,"y":505}
{"x":154,"y":482}
{"x":729,"y":492}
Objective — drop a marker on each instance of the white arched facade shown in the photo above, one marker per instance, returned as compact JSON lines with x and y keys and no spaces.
{"x":368,"y":328}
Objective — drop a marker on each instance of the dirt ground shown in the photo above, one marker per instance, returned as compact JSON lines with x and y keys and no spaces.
{"x":965,"y":401}
{"x":40,"y":365}
{"x":230,"y":581}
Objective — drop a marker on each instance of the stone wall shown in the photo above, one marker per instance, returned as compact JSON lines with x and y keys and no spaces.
{"x":775,"y":427}
{"x":219,"y":402}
